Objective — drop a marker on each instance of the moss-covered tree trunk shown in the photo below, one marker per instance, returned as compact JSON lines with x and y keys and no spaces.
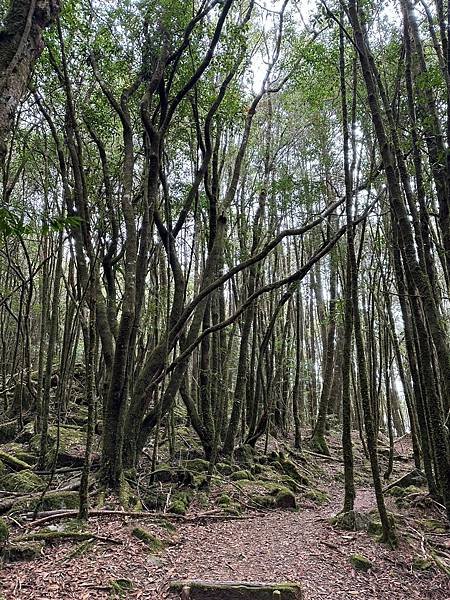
{"x":21,"y":44}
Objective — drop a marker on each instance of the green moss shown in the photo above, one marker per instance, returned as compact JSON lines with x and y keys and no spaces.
{"x":4,"y":532}
{"x":241,"y":475}
{"x":244,"y":455}
{"x":23,"y":551}
{"x":264,"y":501}
{"x":375,"y":528}
{"x":257,"y":469}
{"x":224,"y":468}
{"x":120,"y":587}
{"x":177,"y":507}
{"x":290,"y":469}
{"x":150,"y":540}
{"x":164,"y":524}
{"x":52,"y":501}
{"x":351,"y":521}
{"x":198,"y":465}
{"x":233,"y":509}
{"x":23,"y":482}
{"x":180,"y":503}
{"x":422,"y":563}
{"x":80,"y":549}
{"x":224,"y":500}
{"x":433,"y":525}
{"x":360,"y":562}
{"x":396,"y":491}
{"x":13,"y":461}
{"x":318,"y":496}
{"x":285,"y":499}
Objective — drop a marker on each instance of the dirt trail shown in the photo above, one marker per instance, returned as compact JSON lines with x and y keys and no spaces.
{"x":274,"y":546}
{"x":303,"y":547}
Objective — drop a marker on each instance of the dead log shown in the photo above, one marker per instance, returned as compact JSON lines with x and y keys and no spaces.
{"x":241,"y":590}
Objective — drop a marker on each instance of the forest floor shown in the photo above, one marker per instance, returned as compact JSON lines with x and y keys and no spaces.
{"x":270,"y":546}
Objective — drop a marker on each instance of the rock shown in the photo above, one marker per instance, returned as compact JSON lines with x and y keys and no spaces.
{"x":290,"y":469}
{"x":202,"y":590}
{"x":72,"y":443}
{"x":4,"y":532}
{"x":54,"y":500}
{"x":415,"y":478}
{"x":224,"y":500}
{"x":23,"y":481}
{"x":374,"y":526}
{"x":264,"y":501}
{"x":351,"y":521}
{"x":224,"y":468}
{"x":244,"y":455}
{"x":180,"y":503}
{"x":198,"y":465}
{"x":317,"y":496}
{"x":150,"y":540}
{"x":241,"y":475}
{"x":285,"y":499}
{"x":168,"y":474}
{"x":8,"y":430}
{"x":23,"y":551}
{"x":360,"y":562}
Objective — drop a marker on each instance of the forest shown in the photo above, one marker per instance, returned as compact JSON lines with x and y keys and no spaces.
{"x":225,"y":299}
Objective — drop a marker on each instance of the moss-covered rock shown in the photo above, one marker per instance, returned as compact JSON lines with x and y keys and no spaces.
{"x":245,"y":455}
{"x":351,"y":521}
{"x":23,"y":551}
{"x":224,"y":468}
{"x":291,"y":470}
{"x":8,"y":430}
{"x":360,"y":562}
{"x":241,"y":475}
{"x":396,"y":491}
{"x":22,"y":481}
{"x":264,"y":500}
{"x":52,"y":501}
{"x":72,"y":443}
{"x":285,"y":499}
{"x":154,"y":544}
{"x":224,"y":500}
{"x":374,"y":526}
{"x":180,"y":503}
{"x":318,"y":496}
{"x":167,"y":474}
{"x":4,"y":532}
{"x":198,"y":465}
{"x":233,"y":509}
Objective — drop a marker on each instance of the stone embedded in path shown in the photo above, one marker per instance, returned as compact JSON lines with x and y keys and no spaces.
{"x":238,"y":590}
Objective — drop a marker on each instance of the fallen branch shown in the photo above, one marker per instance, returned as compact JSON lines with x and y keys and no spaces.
{"x":55,"y":515}
{"x":49,"y":536}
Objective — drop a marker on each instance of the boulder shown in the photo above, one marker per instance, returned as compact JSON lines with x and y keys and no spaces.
{"x":360,"y":562}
